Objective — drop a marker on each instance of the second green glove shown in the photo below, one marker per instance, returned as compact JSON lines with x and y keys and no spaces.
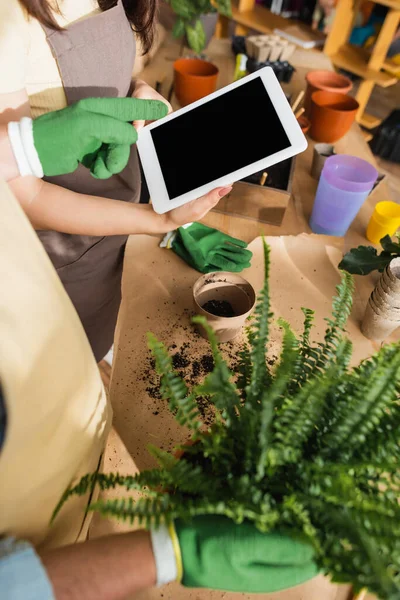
{"x":206,"y":249}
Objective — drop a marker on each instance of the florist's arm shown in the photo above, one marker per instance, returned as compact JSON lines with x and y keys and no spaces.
{"x":52,"y":207}
{"x":210,"y":551}
{"x":108,"y":568}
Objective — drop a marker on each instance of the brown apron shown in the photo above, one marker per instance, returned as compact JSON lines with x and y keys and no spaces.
{"x":95,"y":58}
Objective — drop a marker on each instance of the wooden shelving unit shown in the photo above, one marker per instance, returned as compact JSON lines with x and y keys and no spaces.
{"x":257,"y":18}
{"x":250,"y":16}
{"x":373,"y":67}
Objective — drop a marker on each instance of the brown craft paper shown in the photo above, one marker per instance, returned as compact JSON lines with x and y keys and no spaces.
{"x":157,"y":297}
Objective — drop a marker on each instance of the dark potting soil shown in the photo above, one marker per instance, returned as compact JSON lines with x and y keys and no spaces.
{"x":219,"y":308}
{"x":192,"y":367}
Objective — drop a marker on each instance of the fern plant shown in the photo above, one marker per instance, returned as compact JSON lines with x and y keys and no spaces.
{"x":309,"y":447}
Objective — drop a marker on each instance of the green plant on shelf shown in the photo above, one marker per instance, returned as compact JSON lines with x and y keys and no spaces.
{"x":308,"y":446}
{"x":365,"y":259}
{"x":188,"y":21}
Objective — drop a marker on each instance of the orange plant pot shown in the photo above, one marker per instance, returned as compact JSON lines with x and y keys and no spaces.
{"x":304,"y":124}
{"x":194,"y":79}
{"x":332,"y":115}
{"x":327,"y":81}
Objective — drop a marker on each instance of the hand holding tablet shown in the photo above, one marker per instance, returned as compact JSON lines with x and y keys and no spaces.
{"x":238,"y":130}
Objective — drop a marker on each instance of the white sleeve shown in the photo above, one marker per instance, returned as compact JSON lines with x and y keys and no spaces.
{"x":20,"y":135}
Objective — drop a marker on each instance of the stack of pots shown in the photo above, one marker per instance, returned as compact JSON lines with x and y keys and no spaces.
{"x":382,"y":315}
{"x":327,"y":105}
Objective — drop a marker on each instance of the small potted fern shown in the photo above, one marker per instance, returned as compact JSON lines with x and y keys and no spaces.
{"x":308,"y":446}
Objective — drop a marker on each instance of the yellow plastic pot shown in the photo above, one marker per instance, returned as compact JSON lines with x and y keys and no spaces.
{"x":384,"y":221}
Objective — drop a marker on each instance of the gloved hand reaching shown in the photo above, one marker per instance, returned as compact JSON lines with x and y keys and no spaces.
{"x":207,"y":249}
{"x":96,"y":132}
{"x":214,"y":552}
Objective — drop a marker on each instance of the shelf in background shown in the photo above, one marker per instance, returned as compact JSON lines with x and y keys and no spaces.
{"x":369,"y":121}
{"x":259,"y":18}
{"x":354,"y":60}
{"x":391,"y":67}
{"x":395,"y":4}
{"x":367,"y":135}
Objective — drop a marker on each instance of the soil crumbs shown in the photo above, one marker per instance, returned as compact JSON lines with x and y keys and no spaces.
{"x":192,"y":366}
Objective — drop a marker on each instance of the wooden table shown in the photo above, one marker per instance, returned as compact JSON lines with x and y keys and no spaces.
{"x":137,"y":417}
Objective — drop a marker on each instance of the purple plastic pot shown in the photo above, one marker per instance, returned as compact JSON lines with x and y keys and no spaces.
{"x":343,"y":187}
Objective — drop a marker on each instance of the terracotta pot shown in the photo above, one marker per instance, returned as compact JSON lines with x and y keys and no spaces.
{"x":304,"y":124}
{"x":225,"y":287}
{"x":194,"y":79}
{"x":328,"y":81}
{"x":332,"y":115}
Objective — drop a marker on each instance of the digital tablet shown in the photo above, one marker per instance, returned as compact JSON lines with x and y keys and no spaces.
{"x":242,"y":128}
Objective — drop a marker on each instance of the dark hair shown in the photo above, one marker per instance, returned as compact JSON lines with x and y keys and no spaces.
{"x":141,"y":13}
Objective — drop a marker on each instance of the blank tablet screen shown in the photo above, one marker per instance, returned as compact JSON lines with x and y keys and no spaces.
{"x":218,"y":137}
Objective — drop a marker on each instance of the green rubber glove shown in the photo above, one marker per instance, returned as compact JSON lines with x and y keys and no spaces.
{"x":207,"y":249}
{"x":96,"y":132}
{"x":218,"y":554}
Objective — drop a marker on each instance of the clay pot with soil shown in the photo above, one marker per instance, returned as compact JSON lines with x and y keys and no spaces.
{"x":332,"y":115}
{"x":225,"y":300}
{"x":328,"y":81}
{"x":194,"y":79}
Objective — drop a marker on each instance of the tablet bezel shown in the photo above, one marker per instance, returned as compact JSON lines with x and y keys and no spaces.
{"x":152,"y":169}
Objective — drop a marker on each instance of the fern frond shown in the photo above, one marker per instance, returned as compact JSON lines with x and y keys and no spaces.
{"x":260,"y":375}
{"x":173,"y":388}
{"x":218,"y":385}
{"x":244,"y":368}
{"x":148,"y":512}
{"x":341,"y":309}
{"x":307,"y":327}
{"x":105,"y":481}
{"x":366,"y":405}
{"x":165,"y":459}
{"x":272,"y":396}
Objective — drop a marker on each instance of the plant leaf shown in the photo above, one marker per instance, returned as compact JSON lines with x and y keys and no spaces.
{"x":196,"y":36}
{"x":178,"y":29}
{"x":183,"y":8}
{"x":363,"y":260}
{"x":389,"y":246}
{"x":224,"y":7}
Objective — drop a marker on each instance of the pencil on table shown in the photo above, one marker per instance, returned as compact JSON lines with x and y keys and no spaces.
{"x":296,"y":103}
{"x":263,"y":178}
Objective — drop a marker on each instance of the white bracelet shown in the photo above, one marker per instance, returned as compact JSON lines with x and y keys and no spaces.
{"x":164,"y":555}
{"x":21,"y":139}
